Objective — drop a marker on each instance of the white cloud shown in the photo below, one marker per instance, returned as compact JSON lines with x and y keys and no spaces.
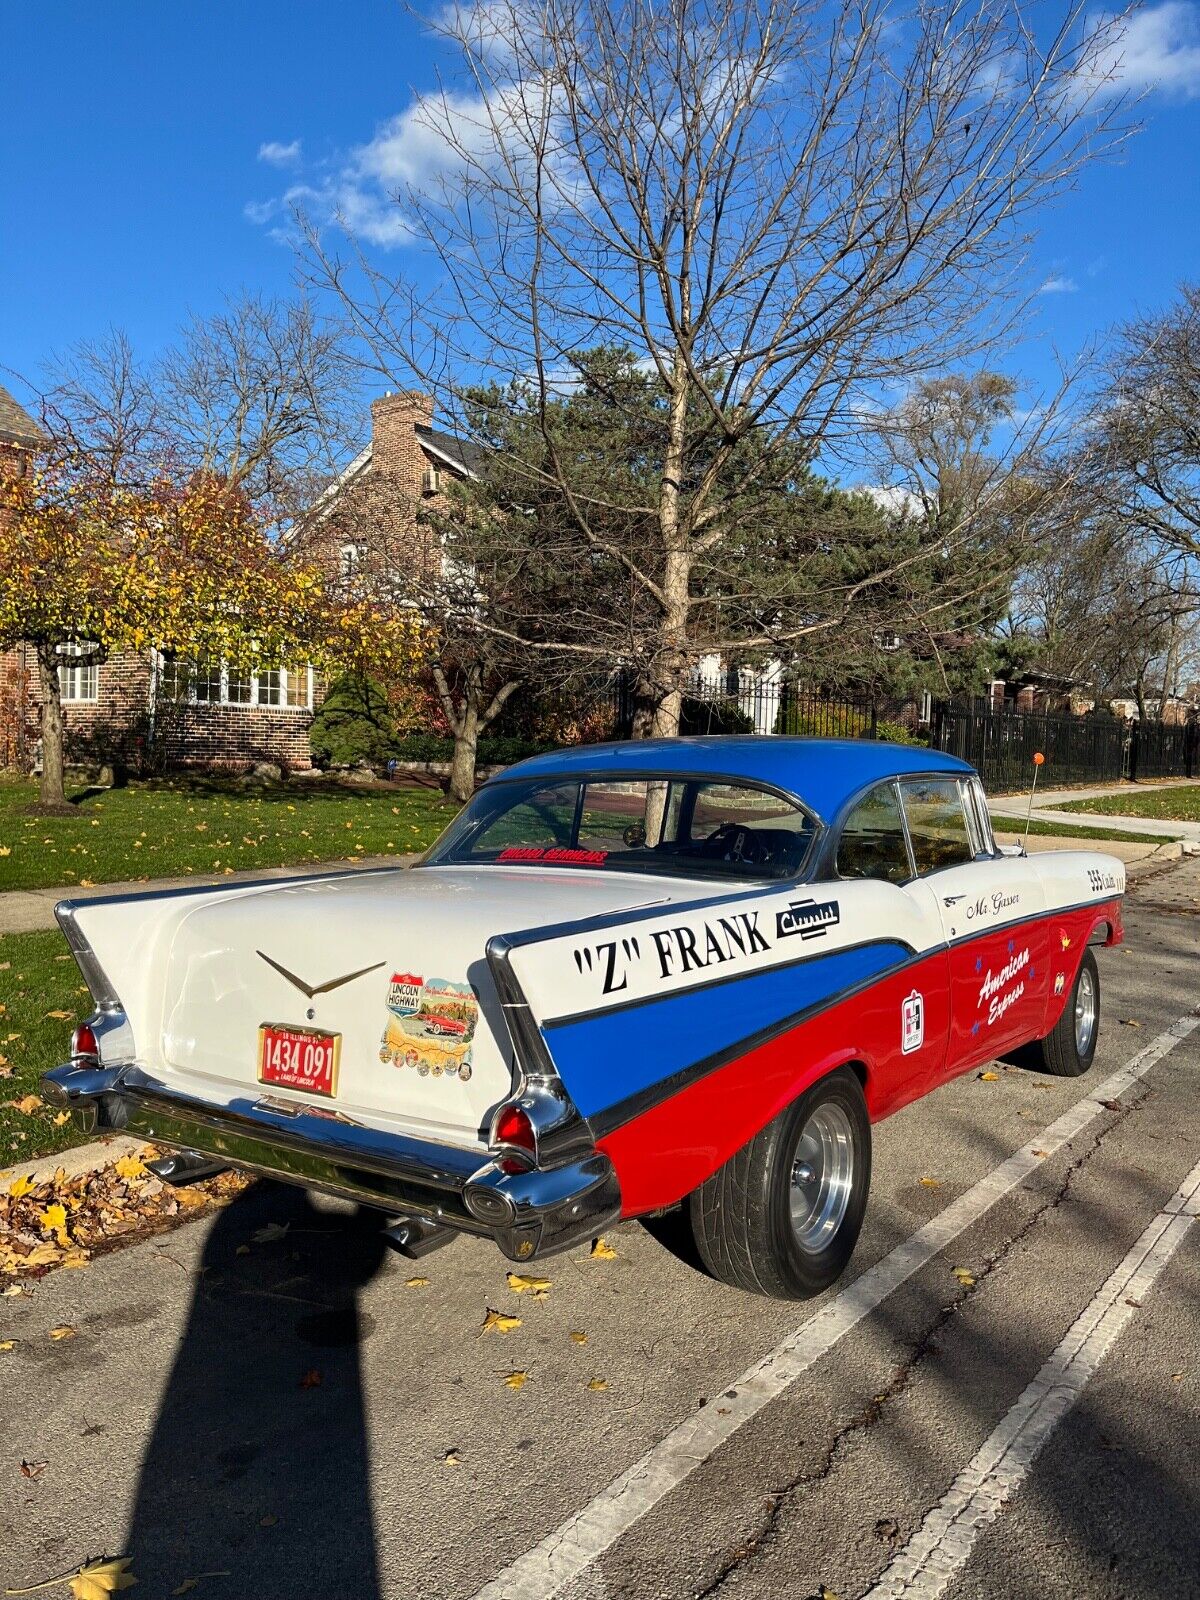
{"x":1059,"y":285}
{"x":276,"y":154}
{"x":1157,"y":47}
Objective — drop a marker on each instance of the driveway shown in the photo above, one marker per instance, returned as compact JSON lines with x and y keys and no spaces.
{"x":999,"y":1400}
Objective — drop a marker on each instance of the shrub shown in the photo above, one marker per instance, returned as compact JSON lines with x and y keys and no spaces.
{"x":713,"y":716}
{"x":354,"y":724}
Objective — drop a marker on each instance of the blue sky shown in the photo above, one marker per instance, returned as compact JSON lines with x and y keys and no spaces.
{"x":148,"y":144}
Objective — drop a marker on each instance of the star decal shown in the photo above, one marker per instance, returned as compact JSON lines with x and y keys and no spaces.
{"x":978,"y":963}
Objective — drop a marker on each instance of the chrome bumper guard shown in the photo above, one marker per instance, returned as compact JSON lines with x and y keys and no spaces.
{"x":527,"y":1213}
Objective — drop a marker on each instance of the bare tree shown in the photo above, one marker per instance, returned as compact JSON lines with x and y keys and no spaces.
{"x":781,"y":206}
{"x":259,"y":393}
{"x":488,"y":599}
{"x":101,"y":413}
{"x":1145,"y":450}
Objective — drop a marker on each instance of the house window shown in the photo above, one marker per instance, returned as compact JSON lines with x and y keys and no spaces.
{"x":206,"y":683}
{"x":82,"y":680}
{"x":217,"y":684}
{"x":239,"y":687}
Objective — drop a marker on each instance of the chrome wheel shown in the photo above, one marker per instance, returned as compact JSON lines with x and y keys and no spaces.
{"x":1085,"y":1012}
{"x":822,"y":1176}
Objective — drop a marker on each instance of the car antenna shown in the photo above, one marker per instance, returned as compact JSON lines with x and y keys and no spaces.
{"x":1038,"y":760}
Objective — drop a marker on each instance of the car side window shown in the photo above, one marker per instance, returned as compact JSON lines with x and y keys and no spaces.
{"x":872,"y":844}
{"x":937,"y":823}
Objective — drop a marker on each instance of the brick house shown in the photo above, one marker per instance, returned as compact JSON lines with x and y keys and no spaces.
{"x":140,"y":708}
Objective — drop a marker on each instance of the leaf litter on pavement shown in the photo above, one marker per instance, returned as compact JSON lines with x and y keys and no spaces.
{"x":64,"y":1221}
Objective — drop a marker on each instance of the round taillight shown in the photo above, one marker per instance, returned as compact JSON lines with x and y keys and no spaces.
{"x":513,"y":1129}
{"x":84,"y":1042}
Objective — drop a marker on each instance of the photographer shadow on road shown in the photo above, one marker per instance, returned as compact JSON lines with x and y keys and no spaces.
{"x":258,"y":1463}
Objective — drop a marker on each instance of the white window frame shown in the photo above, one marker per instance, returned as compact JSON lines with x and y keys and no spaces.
{"x":256,"y":700}
{"x":78,"y":684}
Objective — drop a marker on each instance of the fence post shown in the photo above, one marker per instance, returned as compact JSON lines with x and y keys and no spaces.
{"x":1133,"y":752}
{"x":874,"y":719}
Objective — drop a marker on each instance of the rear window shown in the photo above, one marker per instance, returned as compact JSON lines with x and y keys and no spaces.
{"x":660,"y":825}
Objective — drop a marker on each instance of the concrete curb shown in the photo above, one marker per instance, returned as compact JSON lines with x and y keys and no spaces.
{"x":83,"y":1158}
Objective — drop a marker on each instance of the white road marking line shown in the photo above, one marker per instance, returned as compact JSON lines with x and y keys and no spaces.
{"x":943,"y":1543}
{"x":572,"y":1547}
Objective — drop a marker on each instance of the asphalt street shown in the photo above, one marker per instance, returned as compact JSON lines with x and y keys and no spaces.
{"x":1002,"y":1397}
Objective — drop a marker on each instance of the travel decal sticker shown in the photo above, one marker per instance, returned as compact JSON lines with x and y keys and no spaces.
{"x":431,"y":1023}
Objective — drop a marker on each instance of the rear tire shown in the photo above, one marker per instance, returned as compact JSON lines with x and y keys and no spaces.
{"x":783,"y":1215}
{"x":1070,"y":1047}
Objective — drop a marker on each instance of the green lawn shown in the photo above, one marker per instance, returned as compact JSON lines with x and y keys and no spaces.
{"x":1170,"y":804}
{"x":170,"y":829}
{"x":1066,"y":830}
{"x":37,"y":977}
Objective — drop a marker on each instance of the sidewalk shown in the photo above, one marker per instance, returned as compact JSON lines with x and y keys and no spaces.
{"x":32,"y":910}
{"x":1013,"y":805}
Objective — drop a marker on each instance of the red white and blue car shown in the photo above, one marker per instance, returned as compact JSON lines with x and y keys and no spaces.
{"x":679,"y":973}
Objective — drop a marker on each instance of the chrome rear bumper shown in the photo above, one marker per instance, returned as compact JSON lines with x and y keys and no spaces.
{"x":527,"y":1213}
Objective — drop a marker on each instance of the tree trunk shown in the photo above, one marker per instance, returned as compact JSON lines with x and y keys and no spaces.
{"x":677,"y":563}
{"x":466,"y":744}
{"x":53,"y":791}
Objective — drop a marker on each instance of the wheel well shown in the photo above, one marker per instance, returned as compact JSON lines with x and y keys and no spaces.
{"x":859,"y":1069}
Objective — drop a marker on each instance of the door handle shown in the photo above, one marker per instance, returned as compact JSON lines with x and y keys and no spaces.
{"x":952,"y":899}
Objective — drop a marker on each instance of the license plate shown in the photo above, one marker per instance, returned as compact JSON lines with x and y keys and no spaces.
{"x":299,"y":1058}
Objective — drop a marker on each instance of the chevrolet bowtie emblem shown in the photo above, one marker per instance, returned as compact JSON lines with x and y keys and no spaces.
{"x":321,"y":988}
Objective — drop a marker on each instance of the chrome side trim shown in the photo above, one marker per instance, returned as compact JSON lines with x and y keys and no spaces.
{"x":560,"y":1133}
{"x":94,"y":975}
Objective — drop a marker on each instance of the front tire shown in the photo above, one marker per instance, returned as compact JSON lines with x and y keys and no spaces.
{"x":783,"y":1215}
{"x":1070,"y":1047}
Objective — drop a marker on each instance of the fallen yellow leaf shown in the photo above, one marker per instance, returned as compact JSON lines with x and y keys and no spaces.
{"x":497,"y":1322}
{"x":597,"y":1384}
{"x":21,"y":1186}
{"x":989,"y":1077}
{"x":522,"y":1283}
{"x":55,"y":1218}
{"x":415,"y":1283}
{"x":964,"y":1276}
{"x":272,"y":1231}
{"x":602,"y":1251}
{"x":450,"y":1459}
{"x":8,"y":1344}
{"x":189,"y":1199}
{"x":27,"y":1104}
{"x":130,"y":1167}
{"x":577,"y":1337}
{"x":63,"y":1331}
{"x":931,"y":1183}
{"x":99,"y":1579}
{"x":60,"y":1016}
{"x":516,"y":1380}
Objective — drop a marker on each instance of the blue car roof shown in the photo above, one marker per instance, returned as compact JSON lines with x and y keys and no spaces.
{"x":823,"y":773}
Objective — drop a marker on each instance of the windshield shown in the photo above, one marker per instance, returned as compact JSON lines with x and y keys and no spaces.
{"x":688,"y":826}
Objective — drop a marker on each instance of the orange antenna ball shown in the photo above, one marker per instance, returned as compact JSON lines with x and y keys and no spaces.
{"x":1039,"y":759}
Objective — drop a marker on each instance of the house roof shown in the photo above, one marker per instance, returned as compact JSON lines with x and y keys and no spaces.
{"x":460,"y":454}
{"x":824,"y":773}
{"x":16,"y":425}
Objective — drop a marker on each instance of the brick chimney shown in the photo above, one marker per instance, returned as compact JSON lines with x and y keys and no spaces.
{"x":394,"y":446}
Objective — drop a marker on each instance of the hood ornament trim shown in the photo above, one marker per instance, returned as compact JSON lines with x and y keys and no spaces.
{"x":321,"y":988}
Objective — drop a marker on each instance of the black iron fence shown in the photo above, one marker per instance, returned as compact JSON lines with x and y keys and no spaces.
{"x":998,"y":741}
{"x":1094,"y":748}
{"x":752,"y":702}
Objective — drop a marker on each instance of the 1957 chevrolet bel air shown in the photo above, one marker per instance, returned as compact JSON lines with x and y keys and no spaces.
{"x":626,"y":978}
